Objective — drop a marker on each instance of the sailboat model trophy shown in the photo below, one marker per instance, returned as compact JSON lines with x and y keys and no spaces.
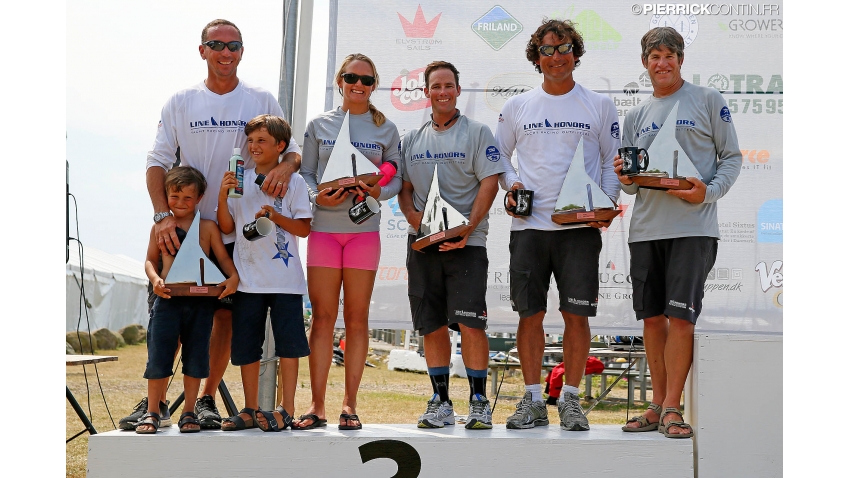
{"x":441,"y":222}
{"x":347,"y":166}
{"x":192,"y":273}
{"x":581,"y":199}
{"x":670,"y":163}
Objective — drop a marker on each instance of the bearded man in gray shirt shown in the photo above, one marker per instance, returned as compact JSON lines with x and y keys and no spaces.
{"x":447,"y":285}
{"x":673,"y":234}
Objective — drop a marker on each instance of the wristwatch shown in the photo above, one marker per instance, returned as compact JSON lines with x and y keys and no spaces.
{"x":160,"y":216}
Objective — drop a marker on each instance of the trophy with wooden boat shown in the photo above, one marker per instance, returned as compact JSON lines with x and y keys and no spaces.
{"x":347,"y":166}
{"x":441,"y":222}
{"x":582,"y":200}
{"x":193,"y":273}
{"x":670,"y":165}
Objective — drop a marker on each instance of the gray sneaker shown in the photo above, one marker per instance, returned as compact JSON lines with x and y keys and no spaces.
{"x":572,"y":415}
{"x":438,"y":414}
{"x":129,"y":422}
{"x":207,"y":413}
{"x":528,"y":414}
{"x":480,"y":417}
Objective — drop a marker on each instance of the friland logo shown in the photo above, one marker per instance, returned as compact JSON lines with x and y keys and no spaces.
{"x":686,"y":25}
{"x":407,"y":91}
{"x":419,"y":28}
{"x":497,"y":27}
{"x":596,"y":32}
{"x":505,"y":85}
{"x":769,"y":223}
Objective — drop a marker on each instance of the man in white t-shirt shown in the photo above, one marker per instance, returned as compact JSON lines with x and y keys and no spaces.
{"x":544,"y":126}
{"x":200,"y":126}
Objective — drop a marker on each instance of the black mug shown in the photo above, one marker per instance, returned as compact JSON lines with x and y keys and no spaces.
{"x":363,"y":210}
{"x":633,"y":161}
{"x":524,"y":199}
{"x":260,"y":227}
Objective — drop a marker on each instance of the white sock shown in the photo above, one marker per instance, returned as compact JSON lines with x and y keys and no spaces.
{"x":536,"y":392}
{"x":568,"y":389}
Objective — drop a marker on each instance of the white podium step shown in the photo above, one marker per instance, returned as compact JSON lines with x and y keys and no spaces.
{"x":391,"y":450}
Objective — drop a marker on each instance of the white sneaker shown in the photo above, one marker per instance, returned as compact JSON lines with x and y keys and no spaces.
{"x":438,"y":414}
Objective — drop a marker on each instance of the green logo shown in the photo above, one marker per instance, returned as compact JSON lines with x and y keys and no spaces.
{"x":497,"y":27}
{"x":597,"y":33}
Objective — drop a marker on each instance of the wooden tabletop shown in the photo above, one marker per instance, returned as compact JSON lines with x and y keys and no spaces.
{"x":88,"y":359}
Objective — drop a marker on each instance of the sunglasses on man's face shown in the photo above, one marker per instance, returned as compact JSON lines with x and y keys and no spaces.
{"x":216,"y":45}
{"x":351,"y":79}
{"x":549,"y":50}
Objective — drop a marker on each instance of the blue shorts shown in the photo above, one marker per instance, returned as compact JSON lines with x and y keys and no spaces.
{"x":188,"y":319}
{"x":249,"y":326}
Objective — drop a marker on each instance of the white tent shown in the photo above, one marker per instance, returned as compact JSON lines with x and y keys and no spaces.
{"x":115,"y":291}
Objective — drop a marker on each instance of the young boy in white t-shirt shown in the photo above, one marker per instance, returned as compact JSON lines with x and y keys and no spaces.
{"x":270,"y":274}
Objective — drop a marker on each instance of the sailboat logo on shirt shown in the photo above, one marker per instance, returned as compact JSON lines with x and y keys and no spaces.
{"x":212,"y":123}
{"x":532,"y":128}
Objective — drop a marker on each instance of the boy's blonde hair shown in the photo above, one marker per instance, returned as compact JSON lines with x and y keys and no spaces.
{"x":183,"y":176}
{"x":277,"y":127}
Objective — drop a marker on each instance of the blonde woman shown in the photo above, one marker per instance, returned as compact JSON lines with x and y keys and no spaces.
{"x":340,"y":253}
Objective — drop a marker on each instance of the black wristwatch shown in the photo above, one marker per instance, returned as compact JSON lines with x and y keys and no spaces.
{"x":160,"y":216}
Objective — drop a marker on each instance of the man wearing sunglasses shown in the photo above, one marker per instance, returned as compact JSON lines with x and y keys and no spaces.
{"x":199,"y":127}
{"x":544,"y":126}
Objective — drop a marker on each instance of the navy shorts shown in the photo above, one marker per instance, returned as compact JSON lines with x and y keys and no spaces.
{"x":668,"y":276}
{"x":188,"y":319}
{"x":572,"y":255}
{"x":447,"y":287}
{"x":249,"y":326}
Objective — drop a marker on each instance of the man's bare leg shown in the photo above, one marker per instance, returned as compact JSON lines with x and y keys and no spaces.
{"x":678,"y":356}
{"x":654,"y":342}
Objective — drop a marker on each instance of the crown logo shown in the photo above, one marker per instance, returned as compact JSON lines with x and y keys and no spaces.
{"x":419,"y":28}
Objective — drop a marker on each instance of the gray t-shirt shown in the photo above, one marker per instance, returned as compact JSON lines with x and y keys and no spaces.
{"x":465,"y":153}
{"x":378,"y":143}
{"x":705,"y":131}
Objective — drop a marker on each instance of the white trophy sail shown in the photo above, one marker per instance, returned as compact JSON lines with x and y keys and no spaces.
{"x":579,"y":192}
{"x":666,"y":154}
{"x":187,"y":264}
{"x":434,"y":219}
{"x":340,"y":165}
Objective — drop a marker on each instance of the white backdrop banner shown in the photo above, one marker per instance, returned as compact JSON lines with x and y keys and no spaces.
{"x":733,"y":47}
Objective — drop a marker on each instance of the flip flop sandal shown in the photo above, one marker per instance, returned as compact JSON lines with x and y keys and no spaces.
{"x":350,"y":417}
{"x":645,"y":426}
{"x":189,"y":418}
{"x":315,"y":422}
{"x":674,"y":423}
{"x":149,"y":418}
{"x":272,"y":423}
{"x":239,"y":422}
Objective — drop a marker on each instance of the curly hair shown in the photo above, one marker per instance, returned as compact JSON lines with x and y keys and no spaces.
{"x":562,"y":29}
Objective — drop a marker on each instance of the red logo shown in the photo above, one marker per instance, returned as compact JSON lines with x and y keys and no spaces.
{"x":407,"y":91}
{"x":419,"y":28}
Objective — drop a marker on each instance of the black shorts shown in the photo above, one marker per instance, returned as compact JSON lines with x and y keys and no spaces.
{"x":447,"y":288}
{"x":249,"y":326}
{"x":226,"y":303}
{"x":572,"y":255}
{"x":668,"y":276}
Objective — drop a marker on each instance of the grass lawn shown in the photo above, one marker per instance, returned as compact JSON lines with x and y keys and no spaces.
{"x":385,"y":397}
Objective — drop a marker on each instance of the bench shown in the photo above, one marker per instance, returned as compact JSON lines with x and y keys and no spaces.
{"x":633,"y":375}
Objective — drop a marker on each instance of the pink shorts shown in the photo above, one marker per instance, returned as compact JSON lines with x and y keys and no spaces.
{"x":355,"y":250}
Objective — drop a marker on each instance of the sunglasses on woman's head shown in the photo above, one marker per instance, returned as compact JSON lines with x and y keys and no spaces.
{"x":351,"y":79}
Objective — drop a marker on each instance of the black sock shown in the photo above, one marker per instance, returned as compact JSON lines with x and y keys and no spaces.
{"x":477,"y":385}
{"x":440,"y":383}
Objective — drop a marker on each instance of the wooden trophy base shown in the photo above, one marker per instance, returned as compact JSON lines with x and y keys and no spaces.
{"x":452,"y":235}
{"x":194,"y":290}
{"x":660,"y":182}
{"x":581,"y":217}
{"x":352,"y":182}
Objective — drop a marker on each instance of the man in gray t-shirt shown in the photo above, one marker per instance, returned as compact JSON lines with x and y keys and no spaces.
{"x":447,"y":283}
{"x":673,"y":234}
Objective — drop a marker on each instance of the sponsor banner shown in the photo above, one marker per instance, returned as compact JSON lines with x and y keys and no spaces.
{"x":733,"y":48}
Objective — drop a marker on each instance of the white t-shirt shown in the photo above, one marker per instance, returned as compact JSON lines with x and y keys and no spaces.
{"x":545,"y":130}
{"x":271,"y":264}
{"x":206,"y":127}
